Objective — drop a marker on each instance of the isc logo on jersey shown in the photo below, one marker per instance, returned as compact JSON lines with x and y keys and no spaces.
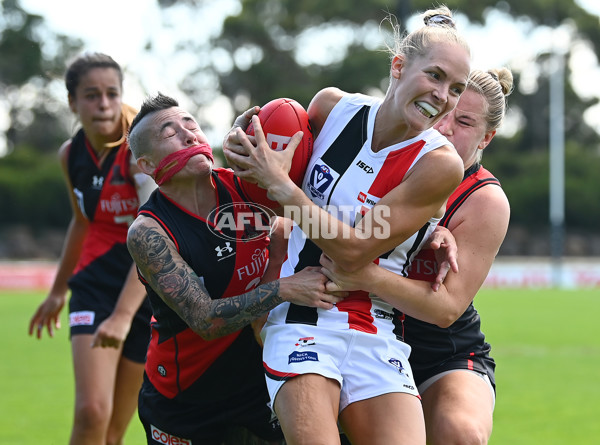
{"x":319,"y":180}
{"x":166,"y":438}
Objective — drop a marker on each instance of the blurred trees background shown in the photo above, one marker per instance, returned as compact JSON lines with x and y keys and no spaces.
{"x":261,"y":54}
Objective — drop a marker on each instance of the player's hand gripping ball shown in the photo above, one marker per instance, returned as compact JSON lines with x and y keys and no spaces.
{"x":280,"y":120}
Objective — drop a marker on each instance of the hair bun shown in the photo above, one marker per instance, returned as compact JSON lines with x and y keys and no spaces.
{"x":439,"y":20}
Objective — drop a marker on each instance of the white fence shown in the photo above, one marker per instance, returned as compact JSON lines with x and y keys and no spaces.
{"x":506,"y":272}
{"x":567,"y":273}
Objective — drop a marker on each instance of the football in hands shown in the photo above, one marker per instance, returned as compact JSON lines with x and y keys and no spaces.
{"x":280,"y":120}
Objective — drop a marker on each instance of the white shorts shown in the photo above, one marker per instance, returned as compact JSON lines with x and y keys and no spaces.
{"x":365,"y":365}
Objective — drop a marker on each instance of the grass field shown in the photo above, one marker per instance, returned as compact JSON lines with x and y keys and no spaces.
{"x":546,"y":344}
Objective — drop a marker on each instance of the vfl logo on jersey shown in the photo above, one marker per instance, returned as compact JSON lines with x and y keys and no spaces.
{"x":319,"y":180}
{"x":225,"y":251}
{"x":360,"y":164}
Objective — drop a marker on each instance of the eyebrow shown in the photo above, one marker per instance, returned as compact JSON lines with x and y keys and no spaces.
{"x":440,"y":69}
{"x":467,"y":117}
{"x":168,"y":124}
{"x":96,"y":88}
{"x":470,"y":114}
{"x":445,"y":74}
{"x":164,"y":126}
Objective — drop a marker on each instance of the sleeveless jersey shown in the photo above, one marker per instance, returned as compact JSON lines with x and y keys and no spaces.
{"x":179,"y":362}
{"x":432,"y":346}
{"x":107,"y":197}
{"x":347,"y":178}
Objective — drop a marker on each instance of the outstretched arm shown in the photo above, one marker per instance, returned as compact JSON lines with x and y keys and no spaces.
{"x":48,"y":313}
{"x":180,"y":288}
{"x":396,"y":217}
{"x":479,"y":227}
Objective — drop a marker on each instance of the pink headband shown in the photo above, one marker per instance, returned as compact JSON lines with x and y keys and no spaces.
{"x":174,"y":162}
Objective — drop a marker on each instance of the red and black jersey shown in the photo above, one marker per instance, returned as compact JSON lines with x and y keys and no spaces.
{"x":107,"y":197}
{"x":462,"y":344}
{"x":230,"y":261}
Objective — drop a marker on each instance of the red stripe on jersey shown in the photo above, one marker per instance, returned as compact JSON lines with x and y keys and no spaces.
{"x":179,"y":361}
{"x":278,"y":374}
{"x":358,"y":306}
{"x":92,"y":153}
{"x":394,"y":168}
{"x":100,"y":238}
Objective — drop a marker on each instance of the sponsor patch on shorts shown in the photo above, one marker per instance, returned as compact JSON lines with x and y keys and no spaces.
{"x":303,"y":356}
{"x":166,"y":438}
{"x":81,"y":318}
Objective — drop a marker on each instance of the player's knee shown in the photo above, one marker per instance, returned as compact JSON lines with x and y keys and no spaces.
{"x":458,"y":430}
{"x":92,"y":415}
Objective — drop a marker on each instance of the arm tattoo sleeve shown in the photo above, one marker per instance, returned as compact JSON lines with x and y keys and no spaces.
{"x":180,"y":288}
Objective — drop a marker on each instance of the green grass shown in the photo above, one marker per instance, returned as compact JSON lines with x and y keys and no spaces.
{"x":546,"y":344}
{"x":547,"y":347}
{"x":36,"y":379}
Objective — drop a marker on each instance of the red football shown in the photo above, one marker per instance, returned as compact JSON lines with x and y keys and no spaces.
{"x":280,"y":120}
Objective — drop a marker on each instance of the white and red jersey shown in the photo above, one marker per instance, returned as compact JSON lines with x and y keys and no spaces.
{"x":347,"y":178}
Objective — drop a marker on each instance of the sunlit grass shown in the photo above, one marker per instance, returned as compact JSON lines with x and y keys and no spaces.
{"x":36,"y":379}
{"x":546,"y":344}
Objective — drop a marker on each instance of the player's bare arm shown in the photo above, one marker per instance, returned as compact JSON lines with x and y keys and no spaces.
{"x":321,"y":105}
{"x":181,"y":289}
{"x":407,"y":207}
{"x":487,"y":207}
{"x":179,"y":286}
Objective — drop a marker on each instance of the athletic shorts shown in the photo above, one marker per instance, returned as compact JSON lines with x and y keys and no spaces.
{"x":87,"y":312}
{"x":480,"y":363}
{"x":365,"y":365}
{"x":169,"y":421}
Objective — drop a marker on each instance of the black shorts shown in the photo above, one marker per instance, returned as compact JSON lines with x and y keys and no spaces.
{"x":248,"y":410}
{"x":231,"y":393}
{"x":460,"y":346}
{"x":86,"y":312}
{"x":480,"y":362}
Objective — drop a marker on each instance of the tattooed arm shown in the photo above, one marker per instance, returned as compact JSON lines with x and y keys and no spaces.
{"x":183,"y":291}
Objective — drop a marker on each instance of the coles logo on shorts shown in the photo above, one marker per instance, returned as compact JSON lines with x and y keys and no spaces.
{"x":166,"y":438}
{"x":296,"y":357}
{"x":81,"y":318}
